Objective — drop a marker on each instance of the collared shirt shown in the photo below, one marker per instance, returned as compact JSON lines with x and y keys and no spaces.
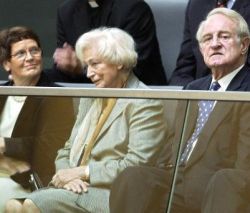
{"x":230,"y":3}
{"x":226,"y":80}
{"x":10,"y":113}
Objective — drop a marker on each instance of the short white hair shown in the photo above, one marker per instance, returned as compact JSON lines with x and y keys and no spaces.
{"x":112,"y":45}
{"x":241,"y":24}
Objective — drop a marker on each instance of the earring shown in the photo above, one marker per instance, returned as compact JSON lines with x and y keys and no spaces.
{"x":10,"y":77}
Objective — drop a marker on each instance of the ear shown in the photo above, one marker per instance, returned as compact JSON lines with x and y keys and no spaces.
{"x":6,"y":66}
{"x":120,"y":67}
{"x":201,"y":49}
{"x":245,"y":45}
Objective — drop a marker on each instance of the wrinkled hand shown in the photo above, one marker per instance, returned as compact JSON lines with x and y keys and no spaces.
{"x":64,"y":176}
{"x":66,"y":60}
{"x":10,"y":165}
{"x":77,"y":186}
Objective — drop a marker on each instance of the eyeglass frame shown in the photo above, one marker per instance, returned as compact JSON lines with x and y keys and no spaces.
{"x":22,"y":54}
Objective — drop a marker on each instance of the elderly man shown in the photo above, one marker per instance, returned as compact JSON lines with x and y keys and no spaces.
{"x":190,"y":64}
{"x":212,"y":143}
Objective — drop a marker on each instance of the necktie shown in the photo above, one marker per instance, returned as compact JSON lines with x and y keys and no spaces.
{"x":222,"y":3}
{"x":205,"y":108}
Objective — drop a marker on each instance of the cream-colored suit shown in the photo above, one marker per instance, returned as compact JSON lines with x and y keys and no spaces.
{"x":133,"y":134}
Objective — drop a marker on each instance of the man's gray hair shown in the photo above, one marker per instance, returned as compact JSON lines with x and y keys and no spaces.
{"x":241,"y":24}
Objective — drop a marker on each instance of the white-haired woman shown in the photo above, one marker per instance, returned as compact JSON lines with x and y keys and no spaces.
{"x":109,"y":135}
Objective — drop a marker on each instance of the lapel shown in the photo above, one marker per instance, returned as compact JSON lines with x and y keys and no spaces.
{"x":85,"y":105}
{"x":26,"y":120}
{"x":120,"y":105}
{"x":116,"y":111}
{"x":2,"y":102}
{"x":240,"y":81}
{"x":192,"y":114}
{"x":221,"y":110}
{"x":185,"y":124}
{"x":204,"y":85}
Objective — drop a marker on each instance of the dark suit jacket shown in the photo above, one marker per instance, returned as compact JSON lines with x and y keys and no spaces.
{"x":40,"y":130}
{"x":133,"y":16}
{"x":225,"y":186}
{"x":190,"y":64}
{"x":223,"y":142}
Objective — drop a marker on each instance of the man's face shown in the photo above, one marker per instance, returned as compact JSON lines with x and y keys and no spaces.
{"x":220,"y":46}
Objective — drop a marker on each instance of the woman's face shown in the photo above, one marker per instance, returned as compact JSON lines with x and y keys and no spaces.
{"x":25,"y":62}
{"x":101,"y":73}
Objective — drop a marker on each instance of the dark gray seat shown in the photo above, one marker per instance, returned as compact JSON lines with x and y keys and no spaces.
{"x":169,"y":17}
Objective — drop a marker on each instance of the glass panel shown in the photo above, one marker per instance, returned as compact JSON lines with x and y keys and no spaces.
{"x":215,"y":176}
{"x":132,"y":159}
{"x":136,"y":133}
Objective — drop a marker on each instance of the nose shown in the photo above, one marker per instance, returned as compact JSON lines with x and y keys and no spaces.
{"x":90,"y":72}
{"x":215,"y":42}
{"x":28,"y":55}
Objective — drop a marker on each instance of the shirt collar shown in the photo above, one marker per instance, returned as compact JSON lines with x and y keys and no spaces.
{"x":225,"y":81}
{"x":230,"y":3}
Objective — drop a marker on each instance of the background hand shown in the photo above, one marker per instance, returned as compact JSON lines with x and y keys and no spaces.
{"x":66,"y":60}
{"x":11,"y":166}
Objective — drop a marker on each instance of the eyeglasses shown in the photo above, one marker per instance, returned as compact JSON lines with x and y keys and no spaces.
{"x":22,"y":54}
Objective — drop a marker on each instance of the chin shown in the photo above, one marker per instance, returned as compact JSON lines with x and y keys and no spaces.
{"x":216,"y":64}
{"x":99,"y":86}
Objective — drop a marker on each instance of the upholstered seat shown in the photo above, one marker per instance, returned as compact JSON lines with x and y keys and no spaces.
{"x":169,"y":17}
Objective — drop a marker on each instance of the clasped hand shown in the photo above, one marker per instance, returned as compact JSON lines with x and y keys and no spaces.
{"x":71,"y":179}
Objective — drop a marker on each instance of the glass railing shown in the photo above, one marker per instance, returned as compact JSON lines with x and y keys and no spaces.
{"x":150,"y":128}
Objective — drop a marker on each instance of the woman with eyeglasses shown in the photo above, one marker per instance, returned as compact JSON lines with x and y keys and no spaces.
{"x":21,"y":57}
{"x":32,"y":129}
{"x":110,"y":134}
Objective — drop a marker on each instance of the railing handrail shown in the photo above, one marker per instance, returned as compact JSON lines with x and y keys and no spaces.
{"x":125,"y":93}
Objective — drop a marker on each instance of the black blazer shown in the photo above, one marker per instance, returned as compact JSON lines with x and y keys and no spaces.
{"x":44,"y":81}
{"x":241,"y":82}
{"x":190,"y":64}
{"x":42,"y":127}
{"x":133,"y":16}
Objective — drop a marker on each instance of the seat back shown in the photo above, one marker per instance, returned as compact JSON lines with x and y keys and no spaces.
{"x":169,"y":17}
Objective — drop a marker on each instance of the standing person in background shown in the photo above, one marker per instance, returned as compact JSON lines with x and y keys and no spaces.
{"x":32,"y":129}
{"x":190,"y":64}
{"x":76,"y":17}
